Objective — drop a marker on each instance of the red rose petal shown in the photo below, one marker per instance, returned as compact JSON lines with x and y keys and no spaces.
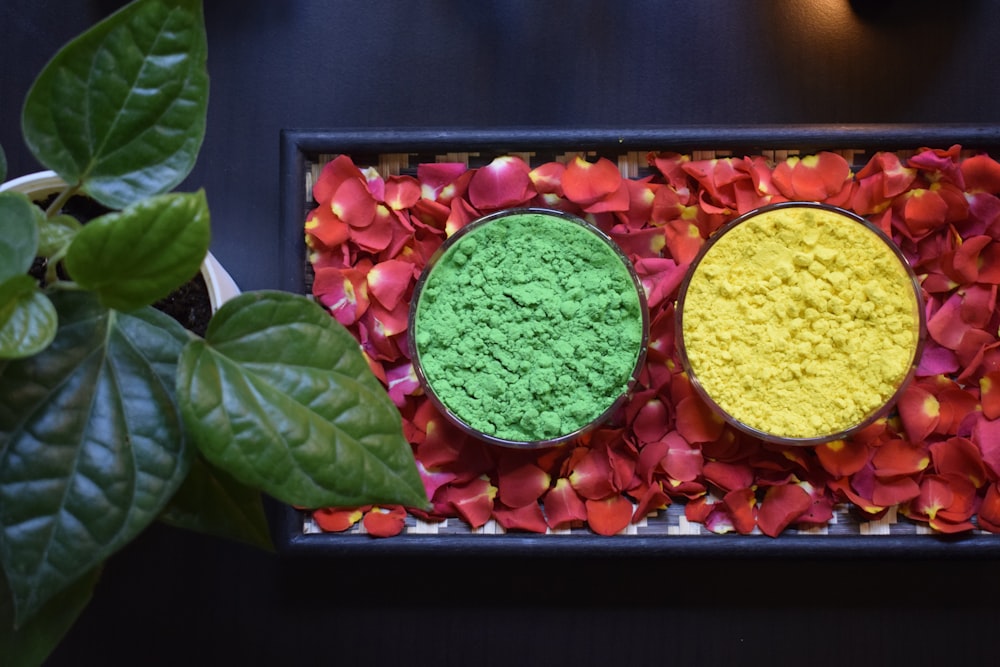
{"x":843,"y":457}
{"x":988,"y":517}
{"x":943,"y":164}
{"x":460,"y":214}
{"x":609,"y":516}
{"x":401,"y":381}
{"x":377,"y":236}
{"x":965,"y":262}
{"x":961,"y":458}
{"x":900,"y":457}
{"x":946,"y":325}
{"x":651,"y":501}
{"x":563,"y":506}
{"x":343,"y":292}
{"x":728,"y":476}
{"x":435,"y":176}
{"x":327,"y":227}
{"x":671,"y":166}
{"x":698,"y":509}
{"x":502,"y":183}
{"x":935,"y":495}
{"x":472,"y":501}
{"x":338,"y":519}
{"x":547,"y":178}
{"x":683,"y":462}
{"x":781,"y":506}
{"x":683,"y":239}
{"x":719,"y":520}
{"x":591,"y":476}
{"x":434,"y":479}
{"x":986,"y":434}
{"x":636,"y":243}
{"x":955,"y":404}
{"x":660,"y":277}
{"x":742,"y":507}
{"x":989,"y":391}
{"x":353,"y":203}
{"x":978,"y":304}
{"x":616,"y":201}
{"x":640,"y":197}
{"x":385,"y":521}
{"x":389,"y":280}
{"x":919,"y":411}
{"x":697,"y":422}
{"x":401,"y":192}
{"x":844,"y":487}
{"x":811,"y":178}
{"x":651,"y":422}
{"x":981,"y":172}
{"x":528,"y":518}
{"x":890,"y":491}
{"x":520,"y":482}
{"x":585,"y":183}
{"x":332,"y":175}
{"x":923,"y":211}
{"x":821,"y":509}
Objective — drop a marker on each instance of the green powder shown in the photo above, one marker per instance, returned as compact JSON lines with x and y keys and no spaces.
{"x":528,"y":327}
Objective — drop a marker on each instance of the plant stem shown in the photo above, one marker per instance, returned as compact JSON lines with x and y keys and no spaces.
{"x":61,"y":200}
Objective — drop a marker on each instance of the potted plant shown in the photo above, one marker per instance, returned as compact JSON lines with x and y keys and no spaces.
{"x":112,"y":414}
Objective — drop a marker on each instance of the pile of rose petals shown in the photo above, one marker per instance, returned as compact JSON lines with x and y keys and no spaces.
{"x":936,"y":459}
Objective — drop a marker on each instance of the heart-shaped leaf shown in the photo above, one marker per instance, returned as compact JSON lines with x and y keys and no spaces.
{"x":29,"y":644}
{"x":134,"y":257}
{"x":280,"y":396}
{"x":212,"y":502}
{"x":121,"y":109}
{"x":28,"y":319}
{"x":19,"y":219}
{"x":91,"y":444}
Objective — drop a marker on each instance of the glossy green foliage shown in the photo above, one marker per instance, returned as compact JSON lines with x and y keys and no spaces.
{"x":27,"y":317}
{"x":136,"y":256}
{"x":91,"y":444}
{"x":306,"y":422}
{"x":121,"y":109}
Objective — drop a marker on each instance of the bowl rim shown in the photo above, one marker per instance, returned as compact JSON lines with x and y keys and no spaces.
{"x":875,"y":414}
{"x":454,"y":418}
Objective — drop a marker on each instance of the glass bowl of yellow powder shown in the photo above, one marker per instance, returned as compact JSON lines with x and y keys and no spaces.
{"x":528,"y":327}
{"x":800,"y":323}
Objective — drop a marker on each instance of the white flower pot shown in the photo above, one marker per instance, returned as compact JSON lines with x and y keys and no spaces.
{"x":42,"y":184}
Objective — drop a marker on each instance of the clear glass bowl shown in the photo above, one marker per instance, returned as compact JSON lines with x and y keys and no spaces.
{"x":454,"y":242}
{"x":875,"y":413}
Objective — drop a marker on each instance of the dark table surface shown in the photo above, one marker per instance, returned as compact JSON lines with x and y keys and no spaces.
{"x":175,"y":598}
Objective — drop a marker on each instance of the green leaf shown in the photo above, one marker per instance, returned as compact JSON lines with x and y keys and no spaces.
{"x":19,"y":219}
{"x":91,"y":444}
{"x":121,"y":109}
{"x":135,"y":257}
{"x":31,"y":643}
{"x":55,"y":235}
{"x":28,"y":319}
{"x":213,"y":503}
{"x":280,"y":396}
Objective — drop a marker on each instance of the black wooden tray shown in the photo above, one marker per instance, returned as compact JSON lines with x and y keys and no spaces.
{"x":666,"y":534}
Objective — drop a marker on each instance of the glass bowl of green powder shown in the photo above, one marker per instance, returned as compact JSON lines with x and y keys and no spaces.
{"x":528,"y":328}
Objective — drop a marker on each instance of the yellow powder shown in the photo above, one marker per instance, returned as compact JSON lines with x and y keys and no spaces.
{"x":800,"y":322}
